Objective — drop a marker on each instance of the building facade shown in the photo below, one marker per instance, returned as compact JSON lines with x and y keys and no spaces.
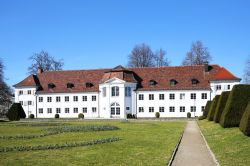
{"x":114,"y":93}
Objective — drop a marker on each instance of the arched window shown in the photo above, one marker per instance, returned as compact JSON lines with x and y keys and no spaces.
{"x":173,"y":82}
{"x":194,"y":81}
{"x":152,"y":82}
{"x":115,"y":109}
{"x":70,"y":85}
{"x":115,"y":91}
{"x":51,"y":85}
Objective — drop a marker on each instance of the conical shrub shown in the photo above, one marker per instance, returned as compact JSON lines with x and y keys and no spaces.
{"x":220,"y":106}
{"x":211,"y":112}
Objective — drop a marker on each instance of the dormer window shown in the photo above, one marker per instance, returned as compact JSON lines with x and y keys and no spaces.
{"x":152,"y":82}
{"x":194,"y":81}
{"x":88,"y":85}
{"x":51,"y":85}
{"x":70,"y":85}
{"x":173,"y":82}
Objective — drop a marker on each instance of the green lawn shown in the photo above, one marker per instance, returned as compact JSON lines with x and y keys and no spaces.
{"x":229,"y":145}
{"x":142,"y":143}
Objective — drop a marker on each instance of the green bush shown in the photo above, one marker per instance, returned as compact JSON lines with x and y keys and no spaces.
{"x":235,"y":106}
{"x":157,"y":115}
{"x":80,"y":116}
{"x":57,"y":116}
{"x":220,"y":106}
{"x":129,"y":116}
{"x":245,"y":121}
{"x":31,"y":116}
{"x":16,"y":112}
{"x":201,"y":117}
{"x":211,"y":112}
{"x":207,"y":107}
{"x":188,"y":115}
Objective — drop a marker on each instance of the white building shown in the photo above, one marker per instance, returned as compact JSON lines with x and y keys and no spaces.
{"x":114,"y":93}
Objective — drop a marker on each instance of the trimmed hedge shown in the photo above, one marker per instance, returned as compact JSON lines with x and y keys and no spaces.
{"x":57,"y":116}
{"x":220,"y":106}
{"x":31,"y":116}
{"x":245,"y":121}
{"x":157,"y":115}
{"x":207,"y":107}
{"x":235,"y":106}
{"x":80,"y":116}
{"x":188,"y":115}
{"x":211,"y":112}
{"x":16,"y":112}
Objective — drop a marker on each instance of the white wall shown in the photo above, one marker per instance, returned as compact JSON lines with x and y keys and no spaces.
{"x":224,"y":86}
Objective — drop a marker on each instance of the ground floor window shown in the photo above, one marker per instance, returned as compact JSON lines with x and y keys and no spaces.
{"x":40,"y":111}
{"x":161,"y":109}
{"x":94,"y":109}
{"x":193,"y":109}
{"x":151,"y":109}
{"x":84,"y":110}
{"x":182,"y":109}
{"x":115,"y":109}
{"x":141,"y":109}
{"x":202,"y":108}
{"x":58,"y":110}
{"x":171,"y":109}
{"x":66,"y":110}
{"x":75,"y":110}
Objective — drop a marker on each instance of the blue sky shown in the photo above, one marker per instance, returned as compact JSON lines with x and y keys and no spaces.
{"x":100,"y":34}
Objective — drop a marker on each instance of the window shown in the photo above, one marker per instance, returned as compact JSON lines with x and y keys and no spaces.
{"x":182,"y":109}
{"x":84,"y":98}
{"x":182,"y":96}
{"x":194,"y":81}
{"x":171,"y":109}
{"x":49,"y":99}
{"x":141,"y":97}
{"x":66,"y":110}
{"x":29,"y":92}
{"x":218,"y":87}
{"x":58,"y":110}
{"x":49,"y":110}
{"x":20,"y":92}
{"x":193,"y":95}
{"x":115,"y":91}
{"x":94,"y":110}
{"x":161,"y":109}
{"x":58,"y":98}
{"x":21,"y":102}
{"x":228,"y":87}
{"x":75,"y":110}
{"x":66,"y":98}
{"x":93,"y":98}
{"x":202,"y":108}
{"x":40,"y":111}
{"x":204,"y":96}
{"x":193,"y":109}
{"x":40,"y":99}
{"x":29,"y":102}
{"x":70,"y":85}
{"x":141,"y":109}
{"x":104,"y":92}
{"x":115,"y":109}
{"x":151,"y":109}
{"x":171,"y":96}
{"x":152,"y":82}
{"x":127,"y":91}
{"x":88,"y":85}
{"x":75,"y":98}
{"x":127,"y":108}
{"x":161,"y":96}
{"x":151,"y":96}
{"x":84,"y":109}
{"x":173,"y":82}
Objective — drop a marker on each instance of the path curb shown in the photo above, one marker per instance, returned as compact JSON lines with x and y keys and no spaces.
{"x":210,"y":151}
{"x":176,"y":149}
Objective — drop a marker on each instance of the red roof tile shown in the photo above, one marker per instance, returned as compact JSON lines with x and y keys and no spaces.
{"x":162,"y":75}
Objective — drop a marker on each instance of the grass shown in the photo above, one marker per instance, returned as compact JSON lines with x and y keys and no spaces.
{"x":230,"y":146}
{"x":142,"y":143}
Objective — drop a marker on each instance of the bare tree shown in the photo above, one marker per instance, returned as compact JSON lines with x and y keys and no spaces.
{"x":44,"y":61}
{"x":197,"y":55}
{"x":160,"y":59}
{"x":141,"y":56}
{"x":247,"y":71}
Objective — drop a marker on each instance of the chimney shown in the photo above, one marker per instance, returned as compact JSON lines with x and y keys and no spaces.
{"x":39,"y":70}
{"x":206,"y":66}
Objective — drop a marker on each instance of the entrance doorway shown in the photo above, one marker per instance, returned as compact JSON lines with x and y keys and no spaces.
{"x":115,"y":110}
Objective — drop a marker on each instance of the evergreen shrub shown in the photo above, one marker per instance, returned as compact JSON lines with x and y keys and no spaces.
{"x":211,"y":112}
{"x":16,"y":112}
{"x":220,"y":106}
{"x":245,"y":121}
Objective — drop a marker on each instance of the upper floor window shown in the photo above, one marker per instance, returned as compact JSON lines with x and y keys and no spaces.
{"x":173,"y":82}
{"x":104,"y":91}
{"x":182,"y":96}
{"x":40,"y":99}
{"x":151,"y":96}
{"x":75,"y":98}
{"x":58,"y":98}
{"x":161,"y":96}
{"x":84,"y":98}
{"x":20,"y":92}
{"x":141,"y":97}
{"x":51,"y":85}
{"x":66,"y":98}
{"x":127,"y":91}
{"x":218,"y":87}
{"x":204,"y":96}
{"x":193,"y":96}
{"x":29,"y":92}
{"x":228,"y":87}
{"x":49,"y":99}
{"x":194,"y":81}
{"x":171,"y":96}
{"x":21,"y":102}
{"x":152,"y":82}
{"x":70,"y":85}
{"x":93,"y":98}
{"x":115,"y":91}
{"x":88,"y":85}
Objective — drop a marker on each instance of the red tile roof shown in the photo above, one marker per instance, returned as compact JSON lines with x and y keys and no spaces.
{"x":162,"y":75}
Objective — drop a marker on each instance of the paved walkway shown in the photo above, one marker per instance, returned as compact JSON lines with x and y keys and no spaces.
{"x":193,"y":150}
